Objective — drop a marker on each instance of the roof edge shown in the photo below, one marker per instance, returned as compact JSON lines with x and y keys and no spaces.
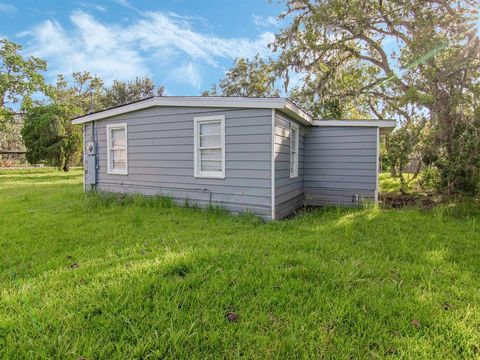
{"x":385,"y":126}
{"x":357,"y":123}
{"x":282,"y":104}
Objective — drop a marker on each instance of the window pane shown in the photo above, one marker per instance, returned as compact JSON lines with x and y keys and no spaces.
{"x":119,"y":155}
{"x":211,"y":165}
{"x":210,"y":141}
{"x":212,"y":154}
{"x":119,"y":164}
{"x":293,"y":151}
{"x":119,"y":143}
{"x":118,"y":133}
{"x":119,"y":159}
{"x":210,"y":128}
{"x":118,"y":137}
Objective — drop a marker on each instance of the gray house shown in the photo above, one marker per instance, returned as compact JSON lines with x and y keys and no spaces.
{"x":263,"y":155}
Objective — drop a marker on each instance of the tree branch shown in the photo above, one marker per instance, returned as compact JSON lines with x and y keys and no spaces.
{"x":383,"y":63}
{"x":374,"y":110}
{"x":391,"y":27}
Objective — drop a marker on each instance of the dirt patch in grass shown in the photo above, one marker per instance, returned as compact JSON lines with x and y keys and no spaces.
{"x":399,"y":201}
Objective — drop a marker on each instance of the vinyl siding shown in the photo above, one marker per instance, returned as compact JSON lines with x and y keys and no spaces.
{"x":288,"y":191}
{"x":340,"y":162}
{"x":161,"y":158}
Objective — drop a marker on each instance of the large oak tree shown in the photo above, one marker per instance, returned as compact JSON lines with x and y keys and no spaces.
{"x":395,"y":53}
{"x":416,"y":60}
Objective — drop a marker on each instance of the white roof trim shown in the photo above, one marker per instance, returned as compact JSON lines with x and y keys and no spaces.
{"x":281,"y":104}
{"x":363,"y":123}
{"x":385,"y":126}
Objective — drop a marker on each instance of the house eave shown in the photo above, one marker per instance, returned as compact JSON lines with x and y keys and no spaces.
{"x":385,"y":126}
{"x":281,"y":104}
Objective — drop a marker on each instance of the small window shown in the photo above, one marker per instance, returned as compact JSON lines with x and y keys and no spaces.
{"x":209,"y":142}
{"x":293,"y":150}
{"x":117,"y":149}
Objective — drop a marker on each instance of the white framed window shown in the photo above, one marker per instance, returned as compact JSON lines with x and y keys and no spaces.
{"x":294,"y":150}
{"x":117,"y":149}
{"x":209,"y":146}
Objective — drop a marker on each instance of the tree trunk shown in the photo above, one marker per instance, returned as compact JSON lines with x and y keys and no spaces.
{"x":403,"y":185}
{"x":417,"y":170}
{"x":65,"y":166}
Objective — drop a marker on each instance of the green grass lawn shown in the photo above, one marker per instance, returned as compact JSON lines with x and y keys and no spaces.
{"x":392,"y":185}
{"x":88,"y":278}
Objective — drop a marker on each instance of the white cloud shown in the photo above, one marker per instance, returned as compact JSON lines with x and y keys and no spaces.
{"x":94,"y":6}
{"x":123,"y":51}
{"x":23,"y":33}
{"x":261,"y":21}
{"x":159,"y":30}
{"x":7,"y":8}
{"x":187,"y":74}
{"x":126,"y":4}
{"x":91,"y":46}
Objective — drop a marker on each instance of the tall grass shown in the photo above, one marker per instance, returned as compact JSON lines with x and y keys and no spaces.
{"x":102,"y":276}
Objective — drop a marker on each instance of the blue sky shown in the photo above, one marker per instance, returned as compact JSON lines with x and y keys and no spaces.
{"x":185,"y":45}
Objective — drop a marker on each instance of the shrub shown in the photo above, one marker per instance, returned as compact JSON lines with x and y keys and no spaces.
{"x":430,"y":179}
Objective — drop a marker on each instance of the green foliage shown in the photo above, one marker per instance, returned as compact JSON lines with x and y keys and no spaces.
{"x":430,"y":178}
{"x":19,"y":78}
{"x":342,"y":47}
{"x":401,"y":145}
{"x":123,"y":92}
{"x":389,"y":184}
{"x":84,"y":92}
{"x":49,"y":135}
{"x":335,"y":103}
{"x":10,"y":137}
{"x":254,"y":78}
{"x":88,"y":93}
{"x":458,"y":158}
{"x":133,"y":281}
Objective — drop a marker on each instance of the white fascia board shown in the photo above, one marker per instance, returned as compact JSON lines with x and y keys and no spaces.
{"x":197,"y":101}
{"x":388,"y":124}
{"x":114,"y":111}
{"x":297,"y":113}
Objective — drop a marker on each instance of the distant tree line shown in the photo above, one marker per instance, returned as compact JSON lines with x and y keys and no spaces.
{"x":45,"y":124}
